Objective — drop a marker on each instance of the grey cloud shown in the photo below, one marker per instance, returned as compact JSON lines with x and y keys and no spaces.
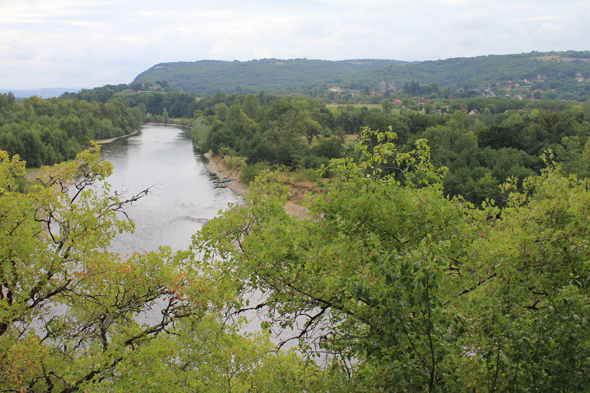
{"x":97,"y":42}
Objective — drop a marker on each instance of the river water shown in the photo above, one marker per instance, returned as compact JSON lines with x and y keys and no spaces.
{"x":184,"y":194}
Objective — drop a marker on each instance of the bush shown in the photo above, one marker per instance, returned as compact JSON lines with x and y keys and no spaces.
{"x":234,"y":162}
{"x":228,"y":151}
{"x":307,"y":174}
{"x":249,"y":172}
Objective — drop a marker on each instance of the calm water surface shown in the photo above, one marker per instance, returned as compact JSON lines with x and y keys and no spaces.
{"x":184,"y":194}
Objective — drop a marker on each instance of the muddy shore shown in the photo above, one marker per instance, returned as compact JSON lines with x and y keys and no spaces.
{"x":217,"y":166}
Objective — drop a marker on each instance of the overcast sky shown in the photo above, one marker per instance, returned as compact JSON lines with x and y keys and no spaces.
{"x":88,"y":43}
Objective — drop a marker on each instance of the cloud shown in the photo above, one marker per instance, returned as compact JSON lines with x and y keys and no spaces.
{"x":90,"y":43}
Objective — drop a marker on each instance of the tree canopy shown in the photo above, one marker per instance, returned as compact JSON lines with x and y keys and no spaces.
{"x":403,"y":289}
{"x":75,"y":316}
{"x":391,"y":284}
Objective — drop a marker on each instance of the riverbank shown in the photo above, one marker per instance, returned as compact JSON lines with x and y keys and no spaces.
{"x":218,"y":167}
{"x":34,"y":173}
{"x":168,"y":125}
{"x":105,"y":141}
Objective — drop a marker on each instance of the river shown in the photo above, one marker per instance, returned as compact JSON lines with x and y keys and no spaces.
{"x":184,"y":194}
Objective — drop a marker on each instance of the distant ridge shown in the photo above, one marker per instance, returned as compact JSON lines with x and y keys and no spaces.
{"x":270,"y":75}
{"x":303,"y":75}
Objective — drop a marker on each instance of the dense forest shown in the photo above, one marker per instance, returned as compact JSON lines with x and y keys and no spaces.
{"x":45,"y":132}
{"x":481,"y":141}
{"x":479,"y":151}
{"x":480,"y":71}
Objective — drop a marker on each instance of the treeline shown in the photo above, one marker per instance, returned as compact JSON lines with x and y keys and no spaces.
{"x":278,"y":131}
{"x":44,"y":132}
{"x":501,"y":137}
{"x":106,"y":92}
{"x":480,"y":151}
{"x":153,"y":103}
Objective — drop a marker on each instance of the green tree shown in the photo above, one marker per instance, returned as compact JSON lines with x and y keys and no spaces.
{"x":70,"y":309}
{"x":251,"y":106}
{"x":408,"y":290}
{"x":221,"y":111}
{"x":165,"y":117}
{"x":311,"y":127}
{"x":386,"y":105}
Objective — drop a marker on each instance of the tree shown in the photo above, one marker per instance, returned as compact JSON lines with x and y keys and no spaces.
{"x":386,"y":105}
{"x":70,"y":310}
{"x":165,"y":117}
{"x":311,"y":127}
{"x":251,"y":106}
{"x":221,"y":111}
{"x":408,"y":290}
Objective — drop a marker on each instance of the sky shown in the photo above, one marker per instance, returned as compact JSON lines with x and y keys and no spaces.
{"x":89,"y":43}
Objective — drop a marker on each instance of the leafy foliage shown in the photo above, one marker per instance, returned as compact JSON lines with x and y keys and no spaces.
{"x":405,"y":290}
{"x":477,"y":71}
{"x":77,"y":317}
{"x":44,"y":132}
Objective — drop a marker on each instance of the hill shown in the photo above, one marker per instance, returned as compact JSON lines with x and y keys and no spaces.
{"x":481,"y":70}
{"x":543,"y":70}
{"x":270,"y":75}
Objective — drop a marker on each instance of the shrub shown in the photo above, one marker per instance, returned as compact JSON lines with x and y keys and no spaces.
{"x":307,"y":174}
{"x":228,"y":151}
{"x":249,"y":172}
{"x":234,"y":162}
{"x":326,"y":133}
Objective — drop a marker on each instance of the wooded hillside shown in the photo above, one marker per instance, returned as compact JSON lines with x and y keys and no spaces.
{"x":272,"y":75}
{"x":543,"y":71}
